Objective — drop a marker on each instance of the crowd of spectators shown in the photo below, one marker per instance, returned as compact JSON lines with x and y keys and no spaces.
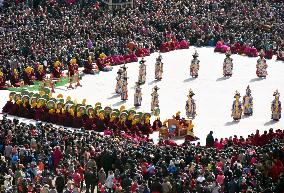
{"x":46,"y":31}
{"x":44,"y":158}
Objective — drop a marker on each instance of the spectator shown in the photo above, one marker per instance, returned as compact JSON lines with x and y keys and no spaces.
{"x":91,"y":179}
{"x":166,"y":186}
{"x":210,"y":140}
{"x":185,"y":168}
{"x":59,"y":183}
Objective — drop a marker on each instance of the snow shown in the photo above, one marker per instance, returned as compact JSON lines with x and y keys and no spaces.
{"x":214,"y":94}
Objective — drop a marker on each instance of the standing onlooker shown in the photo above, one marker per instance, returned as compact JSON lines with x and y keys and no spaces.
{"x":91,"y":179}
{"x":109,"y":180}
{"x":102,"y":176}
{"x":166,"y":186}
{"x":210,"y":140}
{"x":59,"y":183}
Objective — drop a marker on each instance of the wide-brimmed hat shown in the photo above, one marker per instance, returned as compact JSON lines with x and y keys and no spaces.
{"x":237,"y":94}
{"x":228,"y":53}
{"x":124,"y":67}
{"x":248,"y":91}
{"x":261,"y":53}
{"x":276,"y":93}
{"x":156,"y":87}
{"x":142,"y":60}
{"x":191,"y":93}
{"x":195,"y":55}
{"x":119,"y":71}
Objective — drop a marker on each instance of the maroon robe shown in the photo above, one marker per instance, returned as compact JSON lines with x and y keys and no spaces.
{"x":71,"y":70}
{"x":88,"y":67}
{"x":2,"y":82}
{"x":56,"y":72}
{"x":68,"y":121}
{"x":157,"y":124}
{"x":8,"y":106}
{"x":88,"y":123}
{"x":15,"y":80}
{"x":77,"y":122}
{"x":40,"y":75}
{"x":14,"y":110}
{"x":60,"y":118}
{"x":38,"y":116}
{"x":28,"y":78}
{"x":57,"y":156}
{"x":100,"y":64}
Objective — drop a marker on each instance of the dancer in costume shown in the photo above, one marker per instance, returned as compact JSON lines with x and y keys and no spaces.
{"x":137,"y":95}
{"x":228,"y":65}
{"x":237,"y":107}
{"x":194,"y":67}
{"x":119,"y":81}
{"x":124,"y":89}
{"x":261,"y":66}
{"x":155,"y":98}
{"x":248,"y":102}
{"x":124,"y":70}
{"x":276,"y":107}
{"x":142,"y":72}
{"x":159,"y":68}
{"x":190,"y":106}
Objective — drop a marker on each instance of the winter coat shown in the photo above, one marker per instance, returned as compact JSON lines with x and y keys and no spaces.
{"x":59,"y":183}
{"x":166,"y":187}
{"x":90,"y":178}
{"x":102,"y":177}
{"x":109,"y":181}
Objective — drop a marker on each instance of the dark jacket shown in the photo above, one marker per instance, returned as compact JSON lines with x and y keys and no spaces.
{"x":59,"y":183}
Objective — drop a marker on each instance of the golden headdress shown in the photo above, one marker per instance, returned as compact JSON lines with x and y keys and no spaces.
{"x":60,"y":96}
{"x":103,"y":56}
{"x":56,"y":64}
{"x":73,"y":61}
{"x":40,"y":67}
{"x":29,"y":69}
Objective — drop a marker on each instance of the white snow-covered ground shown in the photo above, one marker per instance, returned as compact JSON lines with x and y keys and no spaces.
{"x":213,"y":93}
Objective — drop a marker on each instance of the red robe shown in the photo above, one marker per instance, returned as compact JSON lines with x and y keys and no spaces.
{"x":57,"y":156}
